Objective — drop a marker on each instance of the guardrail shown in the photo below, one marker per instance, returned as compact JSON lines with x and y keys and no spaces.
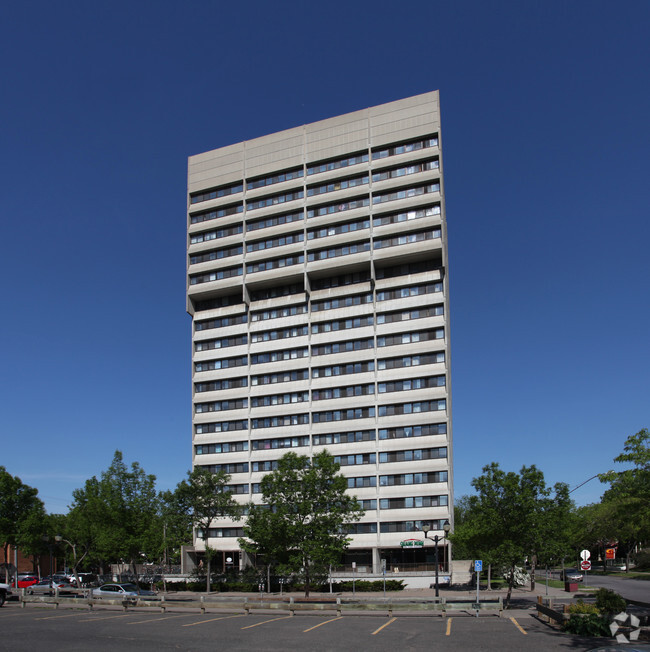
{"x":440,"y":606}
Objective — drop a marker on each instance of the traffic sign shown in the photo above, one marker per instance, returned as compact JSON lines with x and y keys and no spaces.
{"x":585,"y":565}
{"x":584,"y":555}
{"x":478,"y":565}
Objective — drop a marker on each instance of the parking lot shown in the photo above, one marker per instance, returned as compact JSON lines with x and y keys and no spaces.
{"x":112,"y":629}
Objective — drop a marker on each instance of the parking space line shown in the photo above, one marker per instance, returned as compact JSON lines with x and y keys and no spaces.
{"x":156,"y":619}
{"x":392,"y":620}
{"x":331,"y":620}
{"x":61,"y":616}
{"x":89,"y":620}
{"x":266,"y":621}
{"x":448,"y":632}
{"x":211,"y":620}
{"x":518,"y":626}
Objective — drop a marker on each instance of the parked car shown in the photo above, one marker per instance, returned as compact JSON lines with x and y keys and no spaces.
{"x":26,"y":580}
{"x":5,"y":591}
{"x":572,"y":575}
{"x":121,"y":591}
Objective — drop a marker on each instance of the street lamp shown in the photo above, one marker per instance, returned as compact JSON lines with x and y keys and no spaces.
{"x":425,"y":528}
{"x":58,"y":538}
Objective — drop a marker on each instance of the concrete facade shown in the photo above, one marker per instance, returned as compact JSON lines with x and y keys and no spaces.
{"x":318,"y":289}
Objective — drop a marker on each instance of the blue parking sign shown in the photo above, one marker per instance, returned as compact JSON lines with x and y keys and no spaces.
{"x":478,"y":565}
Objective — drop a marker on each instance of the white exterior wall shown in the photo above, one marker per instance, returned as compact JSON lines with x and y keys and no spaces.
{"x":362,"y":132}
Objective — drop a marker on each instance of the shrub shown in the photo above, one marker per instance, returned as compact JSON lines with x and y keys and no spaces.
{"x":609,"y":602}
{"x":582,"y":607}
{"x":588,"y":625}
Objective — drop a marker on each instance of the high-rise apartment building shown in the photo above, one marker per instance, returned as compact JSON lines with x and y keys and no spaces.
{"x":317,"y":286}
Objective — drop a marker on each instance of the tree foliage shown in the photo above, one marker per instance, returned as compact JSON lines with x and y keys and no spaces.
{"x":301,"y":524}
{"x":20,"y":510}
{"x":627,"y":499}
{"x":198,"y":501}
{"x":116,"y":517}
{"x":514,"y":517}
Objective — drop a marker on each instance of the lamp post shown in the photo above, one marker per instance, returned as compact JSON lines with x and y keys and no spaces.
{"x":58,"y":538}
{"x":426,"y":528}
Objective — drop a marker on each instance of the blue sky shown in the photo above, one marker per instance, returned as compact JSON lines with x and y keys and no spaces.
{"x":545,"y":133}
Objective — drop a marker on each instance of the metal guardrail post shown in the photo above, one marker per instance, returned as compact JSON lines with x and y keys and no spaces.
{"x":247,"y":608}
{"x":292,"y":609}
{"x":338,"y":605}
{"x":202,"y":605}
{"x":162,"y":604}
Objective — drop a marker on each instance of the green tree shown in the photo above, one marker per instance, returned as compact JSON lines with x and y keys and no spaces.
{"x":201,"y":499}
{"x":627,"y":499}
{"x":514,"y":517}
{"x":18,"y":505}
{"x":115,"y":517}
{"x":301,"y":523}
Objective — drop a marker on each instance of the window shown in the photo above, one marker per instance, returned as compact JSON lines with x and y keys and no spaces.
{"x":277,"y":291}
{"x":336,"y":164}
{"x":343,"y":369}
{"x":339,"y":184}
{"x":343,"y":415}
{"x":279,"y":399}
{"x":414,"y":168}
{"x":411,"y":384}
{"x":225,"y":211}
{"x":260,"y":245}
{"x":410,"y":268}
{"x":405,"y":193}
{"x":216,"y":385}
{"x":206,"y":236}
{"x":342,"y":392}
{"x":343,"y":437}
{"x":412,"y":408}
{"x":223,"y":426}
{"x":342,"y":324}
{"x":336,"y":229}
{"x":339,"y":281}
{"x":281,"y":421}
{"x":411,"y":360}
{"x":343,"y":302}
{"x":274,"y":200}
{"x":216,"y":276}
{"x":238,"y":467}
{"x":410,"y":338}
{"x":407,"y":315}
{"x":412,"y":478}
{"x":207,"y":345}
{"x":223,"y":322}
{"x":268,"y":465}
{"x":276,"y":356}
{"x":413,"y":502}
{"x":414,"y":455}
{"x":355,"y":460}
{"x":281,"y":442}
{"x":342,"y":347}
{"x":274,"y":220}
{"x":281,"y":377}
{"x":394,"y":218}
{"x":411,"y":291}
{"x":219,"y":406}
{"x":215,"y":254}
{"x":274,"y":263}
{"x":337,"y":207}
{"x":215,"y":193}
{"x":413,"y":431}
{"x":282,"y":334}
{"x":360,"y":528}
{"x":218,"y":302}
{"x":408,"y":238}
{"x":359,"y":483}
{"x":287,"y":311}
{"x":261,"y":182}
{"x":403,"y":148}
{"x":409,"y":526}
{"x":368,"y":504}
{"x":222,"y":532}
{"x":224,"y":363}
{"x":224,"y":447}
{"x":335,"y":252}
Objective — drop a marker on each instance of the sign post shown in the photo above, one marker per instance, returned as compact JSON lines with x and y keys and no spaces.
{"x":478,"y":567}
{"x":585,"y":564}
{"x":354,"y":573}
{"x":383,"y":570}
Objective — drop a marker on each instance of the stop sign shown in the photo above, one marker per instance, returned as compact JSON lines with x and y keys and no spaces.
{"x":585,"y":565}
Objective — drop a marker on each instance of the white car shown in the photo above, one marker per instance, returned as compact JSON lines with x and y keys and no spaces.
{"x":121,"y":592}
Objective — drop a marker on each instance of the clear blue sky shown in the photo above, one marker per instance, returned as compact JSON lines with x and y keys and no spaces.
{"x":546,"y":114}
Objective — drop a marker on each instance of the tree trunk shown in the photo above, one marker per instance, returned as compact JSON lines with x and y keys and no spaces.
{"x":511,"y":581}
{"x":207,"y":579}
{"x":532,"y":572}
{"x":489,"y":577}
{"x":307,"y":580}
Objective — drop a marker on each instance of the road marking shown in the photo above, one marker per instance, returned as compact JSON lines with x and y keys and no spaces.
{"x":64,"y":616}
{"x":331,"y":620}
{"x":448,"y":632}
{"x":518,"y":626}
{"x":392,"y":620}
{"x":155,"y":619}
{"x":266,"y":621}
{"x":210,"y":620}
{"x":88,"y":620}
